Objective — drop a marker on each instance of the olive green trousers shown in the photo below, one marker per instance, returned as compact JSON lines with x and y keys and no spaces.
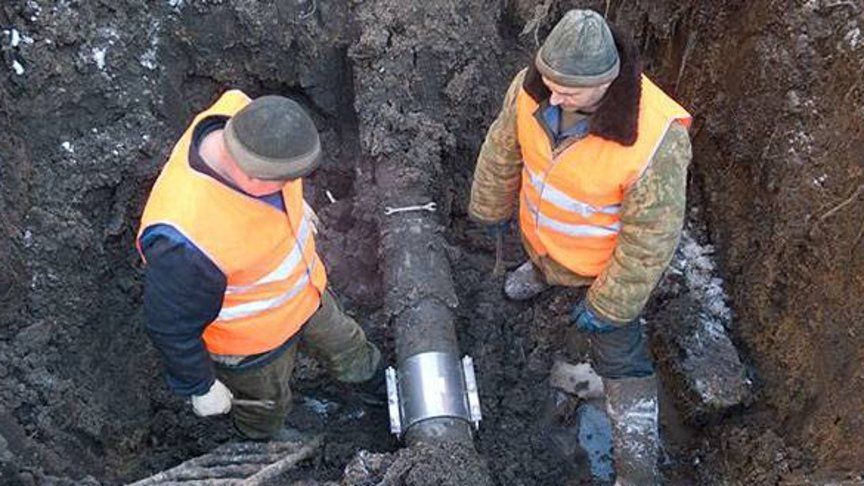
{"x":331,"y":336}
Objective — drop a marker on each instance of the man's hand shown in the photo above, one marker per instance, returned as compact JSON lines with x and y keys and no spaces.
{"x":215,"y":402}
{"x":586,"y":321}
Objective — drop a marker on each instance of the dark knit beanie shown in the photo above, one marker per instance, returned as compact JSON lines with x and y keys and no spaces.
{"x":273,"y":138}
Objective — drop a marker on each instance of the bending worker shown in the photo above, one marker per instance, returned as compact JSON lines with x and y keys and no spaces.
{"x":594,"y":156}
{"x":232,"y":278}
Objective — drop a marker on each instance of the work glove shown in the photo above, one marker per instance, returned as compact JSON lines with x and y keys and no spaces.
{"x":216,"y":401}
{"x":586,"y":320}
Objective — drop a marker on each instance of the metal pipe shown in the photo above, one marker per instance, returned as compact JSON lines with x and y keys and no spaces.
{"x":432,"y":395}
{"x":420,"y":298}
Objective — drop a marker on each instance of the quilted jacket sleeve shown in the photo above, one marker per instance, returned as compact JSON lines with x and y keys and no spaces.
{"x":651,"y":222}
{"x":495,"y":190}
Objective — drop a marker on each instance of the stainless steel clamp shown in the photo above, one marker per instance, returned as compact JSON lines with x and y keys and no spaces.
{"x":431,"y":385}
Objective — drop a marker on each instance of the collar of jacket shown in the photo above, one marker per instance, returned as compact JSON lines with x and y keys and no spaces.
{"x":617,"y":116}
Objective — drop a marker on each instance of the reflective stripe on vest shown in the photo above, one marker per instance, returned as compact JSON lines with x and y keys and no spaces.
{"x":252,"y":308}
{"x":550,"y":194}
{"x":286,"y":268}
{"x":274,"y":277}
{"x":583,"y":230}
{"x":571,"y":202}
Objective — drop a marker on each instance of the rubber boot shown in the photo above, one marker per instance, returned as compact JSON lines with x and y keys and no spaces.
{"x":525,"y":282}
{"x":632,"y":407}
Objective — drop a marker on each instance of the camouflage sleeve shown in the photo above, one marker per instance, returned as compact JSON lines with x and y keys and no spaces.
{"x":495,"y":190}
{"x":651,"y":221}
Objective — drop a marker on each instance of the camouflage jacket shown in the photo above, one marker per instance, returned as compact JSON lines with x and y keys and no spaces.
{"x":651,"y":219}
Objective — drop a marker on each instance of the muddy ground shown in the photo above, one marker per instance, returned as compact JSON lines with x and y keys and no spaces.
{"x":105,"y":87}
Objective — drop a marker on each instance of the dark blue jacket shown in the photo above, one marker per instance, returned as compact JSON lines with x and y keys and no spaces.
{"x":183,"y":291}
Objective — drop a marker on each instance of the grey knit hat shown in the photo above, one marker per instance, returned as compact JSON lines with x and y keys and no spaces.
{"x":580,"y":51}
{"x":273,"y":138}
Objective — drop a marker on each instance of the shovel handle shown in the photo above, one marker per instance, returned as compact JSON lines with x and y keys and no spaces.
{"x":499,"y":255}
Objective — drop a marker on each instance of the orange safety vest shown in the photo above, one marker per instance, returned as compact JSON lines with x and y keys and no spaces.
{"x":274,"y":275}
{"x":570,"y":203}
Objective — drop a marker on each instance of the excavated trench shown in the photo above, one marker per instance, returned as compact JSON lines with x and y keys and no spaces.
{"x":404,"y":90}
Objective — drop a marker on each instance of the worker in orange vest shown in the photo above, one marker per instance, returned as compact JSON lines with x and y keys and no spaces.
{"x":233,"y":282}
{"x":593,"y":158}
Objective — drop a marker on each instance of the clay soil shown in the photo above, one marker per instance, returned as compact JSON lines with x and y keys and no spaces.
{"x":776,"y":187}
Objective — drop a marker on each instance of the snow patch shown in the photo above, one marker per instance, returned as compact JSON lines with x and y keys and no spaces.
{"x":34,"y":7}
{"x":107,"y":37}
{"x":99,"y":57}
{"x":16,"y":38}
{"x":853,"y":37}
{"x":67,"y":146}
{"x":149,"y":59}
{"x":18,"y":68}
{"x":696,"y":263}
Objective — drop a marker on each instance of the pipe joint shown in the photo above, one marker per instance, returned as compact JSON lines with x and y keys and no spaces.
{"x":432,"y":385}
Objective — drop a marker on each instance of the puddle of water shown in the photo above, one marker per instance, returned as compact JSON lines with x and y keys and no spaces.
{"x":595,"y":437}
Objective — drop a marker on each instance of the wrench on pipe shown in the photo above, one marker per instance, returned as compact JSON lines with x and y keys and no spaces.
{"x":431,"y":207}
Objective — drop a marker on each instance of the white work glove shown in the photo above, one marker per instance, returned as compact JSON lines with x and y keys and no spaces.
{"x":216,"y":401}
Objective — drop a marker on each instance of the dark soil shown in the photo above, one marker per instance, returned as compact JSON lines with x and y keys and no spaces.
{"x":446,"y":464}
{"x":776,"y":175}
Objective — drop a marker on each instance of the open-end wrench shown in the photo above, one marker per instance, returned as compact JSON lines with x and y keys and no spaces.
{"x":431,"y":207}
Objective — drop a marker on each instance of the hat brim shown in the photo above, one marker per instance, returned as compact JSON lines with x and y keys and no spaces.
{"x":267,"y":168}
{"x":574,"y":80}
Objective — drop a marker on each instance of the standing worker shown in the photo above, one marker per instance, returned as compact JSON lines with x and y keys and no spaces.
{"x":232,"y":278}
{"x":596,"y":156}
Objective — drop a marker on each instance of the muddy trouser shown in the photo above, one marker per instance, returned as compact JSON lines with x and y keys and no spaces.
{"x":622,"y":353}
{"x":329,"y":335}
